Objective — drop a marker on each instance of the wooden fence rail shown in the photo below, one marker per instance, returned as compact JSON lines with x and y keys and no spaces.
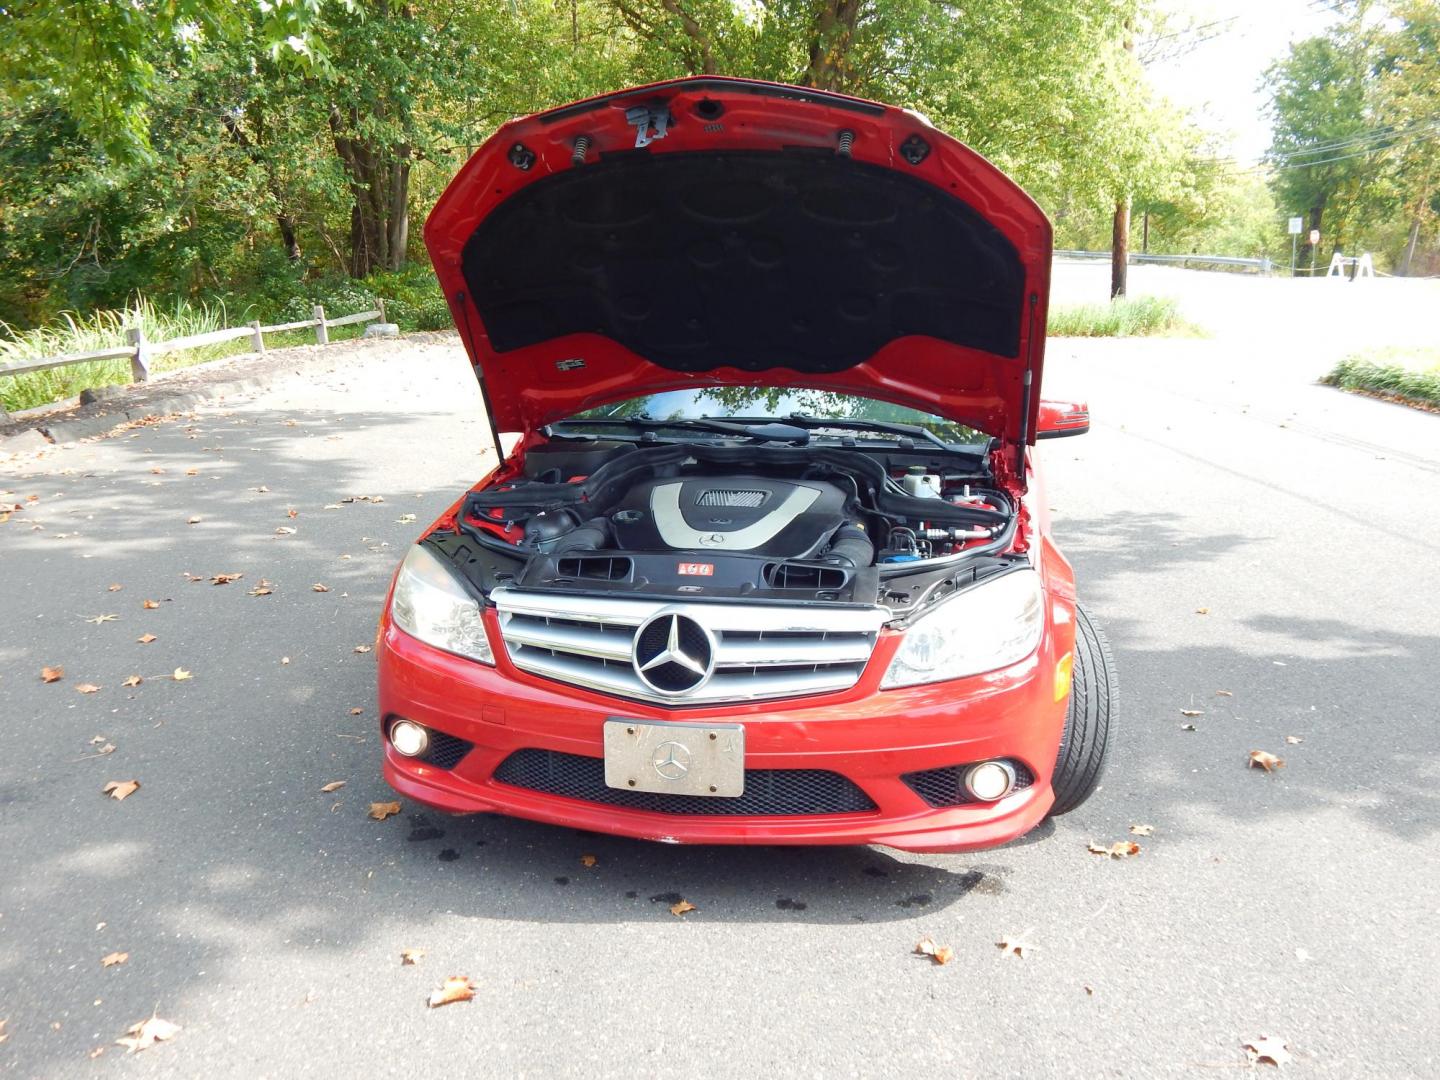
{"x":140,"y":351}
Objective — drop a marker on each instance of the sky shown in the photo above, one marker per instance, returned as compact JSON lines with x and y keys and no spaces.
{"x":1219,"y":79}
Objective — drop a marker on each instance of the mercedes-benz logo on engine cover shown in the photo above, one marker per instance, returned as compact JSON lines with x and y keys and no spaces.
{"x":673,"y":654}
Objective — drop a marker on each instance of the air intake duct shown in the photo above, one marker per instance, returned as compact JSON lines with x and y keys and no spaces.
{"x":850,"y":546}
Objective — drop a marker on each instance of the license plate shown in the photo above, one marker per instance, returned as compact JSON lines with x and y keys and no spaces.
{"x":675,"y":759}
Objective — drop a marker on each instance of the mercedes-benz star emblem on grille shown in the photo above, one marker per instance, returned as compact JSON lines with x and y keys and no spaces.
{"x":673,"y":654}
{"x":671,"y":760}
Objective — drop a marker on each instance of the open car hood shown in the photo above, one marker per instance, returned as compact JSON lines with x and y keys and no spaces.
{"x":712,"y":232}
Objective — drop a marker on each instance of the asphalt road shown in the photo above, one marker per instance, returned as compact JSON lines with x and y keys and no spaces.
{"x":267,"y":918}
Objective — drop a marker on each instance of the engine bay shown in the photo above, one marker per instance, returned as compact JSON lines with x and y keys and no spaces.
{"x":717,"y":519}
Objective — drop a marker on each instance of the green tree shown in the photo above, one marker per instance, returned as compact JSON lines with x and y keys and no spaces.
{"x":1325,"y":132}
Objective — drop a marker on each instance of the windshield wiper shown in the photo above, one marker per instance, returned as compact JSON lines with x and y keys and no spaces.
{"x":913,"y":431}
{"x":765,"y":431}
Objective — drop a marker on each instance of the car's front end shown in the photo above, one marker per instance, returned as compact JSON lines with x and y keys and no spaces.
{"x":764,"y":564}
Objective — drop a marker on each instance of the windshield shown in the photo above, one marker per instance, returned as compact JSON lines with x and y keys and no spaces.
{"x":776,"y":403}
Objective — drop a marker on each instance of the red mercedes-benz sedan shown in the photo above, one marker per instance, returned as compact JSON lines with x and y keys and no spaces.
{"x":767,"y":560}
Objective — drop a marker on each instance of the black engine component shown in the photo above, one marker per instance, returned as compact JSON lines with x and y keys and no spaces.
{"x":560,"y":460}
{"x":731,"y":514}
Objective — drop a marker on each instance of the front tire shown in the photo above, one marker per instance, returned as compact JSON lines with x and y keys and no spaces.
{"x":1089,"y":719}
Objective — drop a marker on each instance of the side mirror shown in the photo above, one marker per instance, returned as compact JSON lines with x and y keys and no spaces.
{"x":1061,"y":418}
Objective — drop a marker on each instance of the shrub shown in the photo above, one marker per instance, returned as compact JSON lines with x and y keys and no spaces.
{"x":1411,"y":376}
{"x":1128,"y":316}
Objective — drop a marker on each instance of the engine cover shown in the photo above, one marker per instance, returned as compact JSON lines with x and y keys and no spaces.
{"x":755,"y":515}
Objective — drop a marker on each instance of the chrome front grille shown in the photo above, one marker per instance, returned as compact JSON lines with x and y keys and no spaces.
{"x":761,"y":652}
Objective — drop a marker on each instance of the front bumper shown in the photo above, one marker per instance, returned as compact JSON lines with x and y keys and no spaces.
{"x":871,"y":737}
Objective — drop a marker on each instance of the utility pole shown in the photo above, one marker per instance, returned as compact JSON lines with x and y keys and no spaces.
{"x":1120,"y":231}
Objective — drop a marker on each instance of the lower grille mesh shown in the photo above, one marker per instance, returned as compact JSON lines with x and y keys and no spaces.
{"x":445,"y":750}
{"x":778,"y":792}
{"x":946,"y":786}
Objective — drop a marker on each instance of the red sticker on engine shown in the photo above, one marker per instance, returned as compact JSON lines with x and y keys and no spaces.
{"x":696,"y":569}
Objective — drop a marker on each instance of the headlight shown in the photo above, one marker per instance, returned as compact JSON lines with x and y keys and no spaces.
{"x":431,"y":605}
{"x":991,"y":626}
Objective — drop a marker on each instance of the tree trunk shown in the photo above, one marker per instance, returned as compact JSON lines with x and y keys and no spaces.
{"x":694,"y":31}
{"x":379,"y":191}
{"x":1120,"y":248}
{"x":830,"y":44}
{"x":287,"y":236}
{"x":283,"y":220}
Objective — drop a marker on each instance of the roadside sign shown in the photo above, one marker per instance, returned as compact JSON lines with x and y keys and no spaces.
{"x":1297,"y":226}
{"x":1314,"y":236}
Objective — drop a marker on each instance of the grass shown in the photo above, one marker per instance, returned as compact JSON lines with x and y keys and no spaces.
{"x":106,"y":330}
{"x":1138,"y":316}
{"x":1411,"y":376}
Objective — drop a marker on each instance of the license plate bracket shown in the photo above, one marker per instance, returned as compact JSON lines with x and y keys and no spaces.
{"x":675,"y":758}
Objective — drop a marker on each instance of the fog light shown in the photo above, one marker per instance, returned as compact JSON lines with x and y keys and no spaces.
{"x":990,"y":780}
{"x":409,"y":738}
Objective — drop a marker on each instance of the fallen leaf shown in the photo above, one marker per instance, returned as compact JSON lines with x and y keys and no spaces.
{"x":104,"y":751}
{"x":180,"y":674}
{"x":192,"y":521}
{"x":1224,"y":693}
{"x":334,"y":785}
{"x":97,"y":740}
{"x":331,"y":506}
{"x":192,"y":472}
{"x":150,"y":605}
{"x":681,"y":907}
{"x":941,"y":954}
{"x":3,"y":1036}
{"x":588,"y":860}
{"x":1121,"y":849}
{"x":284,"y":660}
{"x":286,"y":530}
{"x":362,"y":648}
{"x":98,"y":619}
{"x":404,"y":519}
{"x":145,"y":639}
{"x":411,"y":957}
{"x":114,"y":958}
{"x":87,"y":688}
{"x":381,"y":810}
{"x":292,"y":513}
{"x":1192,"y":712}
{"x":1142,"y":830}
{"x":356,"y":711}
{"x":224,"y":579}
{"x":1015,"y":946}
{"x":1261,"y":760}
{"x":317,"y":587}
{"x":115,"y":588}
{"x":260,"y":590}
{"x":1294,"y":740}
{"x":52,"y":674}
{"x":120,"y":789}
{"x":1188,"y":727}
{"x":1267,"y":1050}
{"x":147,"y":1033}
{"x":456,"y":988}
{"x":158,"y":471}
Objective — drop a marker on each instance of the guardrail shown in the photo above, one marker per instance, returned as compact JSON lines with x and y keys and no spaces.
{"x":140,"y":351}
{"x":1263,"y":265}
